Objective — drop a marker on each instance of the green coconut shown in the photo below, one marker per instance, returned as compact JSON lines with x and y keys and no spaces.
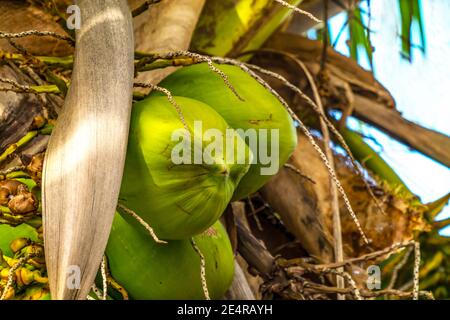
{"x":148,"y":270}
{"x":37,"y":292}
{"x":179,"y":200}
{"x":258,"y":110}
{"x":9,"y":233}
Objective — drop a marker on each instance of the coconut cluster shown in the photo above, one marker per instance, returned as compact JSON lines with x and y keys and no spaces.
{"x":187,"y":158}
{"x":183,"y":197}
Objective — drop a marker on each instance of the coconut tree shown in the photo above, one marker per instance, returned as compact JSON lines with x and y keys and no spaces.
{"x":333,"y":217}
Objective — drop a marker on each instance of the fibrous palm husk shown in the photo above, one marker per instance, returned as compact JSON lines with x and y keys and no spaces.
{"x":313,"y":227}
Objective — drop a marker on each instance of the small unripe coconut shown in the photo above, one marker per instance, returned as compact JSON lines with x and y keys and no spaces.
{"x":148,"y":270}
{"x":12,"y":236}
{"x":37,"y":292}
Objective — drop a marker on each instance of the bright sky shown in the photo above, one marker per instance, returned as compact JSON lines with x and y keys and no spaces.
{"x":421,"y":90}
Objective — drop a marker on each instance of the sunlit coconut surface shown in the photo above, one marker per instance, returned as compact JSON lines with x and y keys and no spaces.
{"x":421,"y":89}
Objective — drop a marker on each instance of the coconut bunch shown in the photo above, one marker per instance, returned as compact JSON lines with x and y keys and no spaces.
{"x":183,"y":200}
{"x":166,"y":240}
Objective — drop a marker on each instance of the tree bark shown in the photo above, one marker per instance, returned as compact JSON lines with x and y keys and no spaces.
{"x":297,"y":202}
{"x":240,"y":289}
{"x":17,"y":16}
{"x":16,"y":110}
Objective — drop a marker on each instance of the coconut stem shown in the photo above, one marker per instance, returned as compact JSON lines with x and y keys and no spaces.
{"x":202,"y":269}
{"x":337,"y":229}
{"x":142,"y":222}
